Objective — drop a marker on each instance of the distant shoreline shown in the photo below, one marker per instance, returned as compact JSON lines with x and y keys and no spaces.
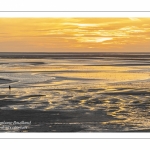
{"x":70,"y":55}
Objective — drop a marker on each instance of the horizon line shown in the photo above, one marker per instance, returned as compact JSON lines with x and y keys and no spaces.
{"x":74,"y":52}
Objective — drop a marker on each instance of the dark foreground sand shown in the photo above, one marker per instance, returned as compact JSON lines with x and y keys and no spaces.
{"x":54,"y":121}
{"x":57,"y":121}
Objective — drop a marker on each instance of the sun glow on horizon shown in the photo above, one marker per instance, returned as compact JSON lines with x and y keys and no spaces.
{"x":74,"y":34}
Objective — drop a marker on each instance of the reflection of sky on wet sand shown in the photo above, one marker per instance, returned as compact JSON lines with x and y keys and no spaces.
{"x":91,"y":85}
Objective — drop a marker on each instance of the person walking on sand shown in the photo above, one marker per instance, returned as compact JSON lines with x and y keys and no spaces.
{"x":9,"y":87}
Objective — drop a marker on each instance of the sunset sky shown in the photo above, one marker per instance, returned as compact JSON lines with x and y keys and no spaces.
{"x":74,"y":34}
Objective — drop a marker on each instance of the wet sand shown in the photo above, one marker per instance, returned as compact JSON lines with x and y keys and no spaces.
{"x":59,"y":93}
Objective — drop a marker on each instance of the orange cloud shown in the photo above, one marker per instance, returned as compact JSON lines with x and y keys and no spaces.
{"x":74,"y":34}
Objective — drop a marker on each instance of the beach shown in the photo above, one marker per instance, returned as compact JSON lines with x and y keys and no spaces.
{"x":75,"y":92}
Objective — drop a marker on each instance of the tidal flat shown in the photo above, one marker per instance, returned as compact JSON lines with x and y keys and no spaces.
{"x":75,"y":92}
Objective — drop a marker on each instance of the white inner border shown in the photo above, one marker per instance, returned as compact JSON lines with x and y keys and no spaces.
{"x":73,"y":14}
{"x":75,"y":135}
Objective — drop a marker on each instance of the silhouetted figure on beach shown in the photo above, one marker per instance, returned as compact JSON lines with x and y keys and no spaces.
{"x":9,"y":87}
